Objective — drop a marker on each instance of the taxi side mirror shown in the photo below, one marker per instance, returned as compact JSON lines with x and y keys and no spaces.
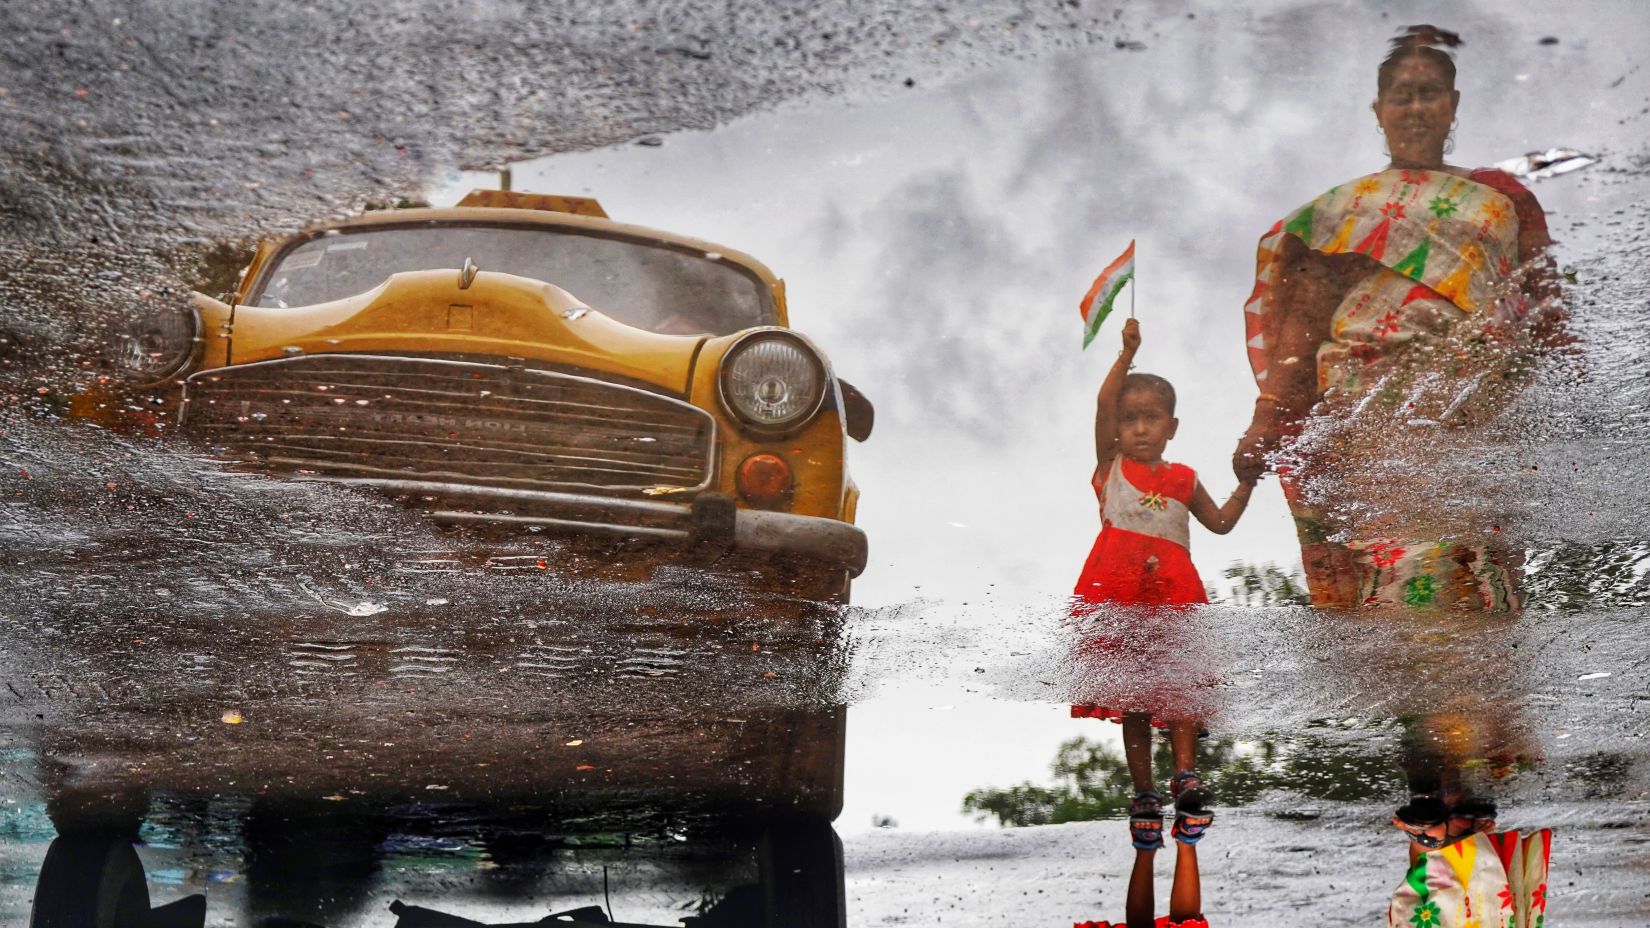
{"x":858,"y":415}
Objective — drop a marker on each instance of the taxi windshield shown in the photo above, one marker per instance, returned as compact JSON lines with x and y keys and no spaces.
{"x":649,"y":285}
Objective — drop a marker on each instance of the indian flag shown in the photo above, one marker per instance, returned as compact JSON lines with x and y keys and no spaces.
{"x":1096,"y":305}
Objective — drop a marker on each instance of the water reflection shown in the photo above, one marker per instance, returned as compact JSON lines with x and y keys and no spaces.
{"x":1394,"y":309}
{"x":490,"y":787}
{"x":301,"y":863}
{"x":1463,"y":866}
{"x":1463,"y":798}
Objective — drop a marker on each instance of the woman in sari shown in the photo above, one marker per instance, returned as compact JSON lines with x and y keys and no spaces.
{"x":1488,"y":880}
{"x":1463,"y":870}
{"x":1392,"y":310}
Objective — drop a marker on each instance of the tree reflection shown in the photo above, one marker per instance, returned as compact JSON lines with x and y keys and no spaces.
{"x":1265,"y":585}
{"x":1091,"y":779}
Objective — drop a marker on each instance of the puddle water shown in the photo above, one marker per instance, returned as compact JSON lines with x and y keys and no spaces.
{"x":1415,"y":695}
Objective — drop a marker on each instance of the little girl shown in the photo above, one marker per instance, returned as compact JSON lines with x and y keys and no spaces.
{"x":1142,"y":557}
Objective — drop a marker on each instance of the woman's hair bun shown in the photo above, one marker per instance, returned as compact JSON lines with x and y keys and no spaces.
{"x":1426,"y":36}
{"x":1425,"y":41}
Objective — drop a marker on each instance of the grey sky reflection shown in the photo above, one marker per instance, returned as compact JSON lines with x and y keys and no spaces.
{"x":936,"y":243}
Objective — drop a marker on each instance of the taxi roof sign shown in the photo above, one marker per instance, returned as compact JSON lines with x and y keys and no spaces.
{"x":510,"y":199}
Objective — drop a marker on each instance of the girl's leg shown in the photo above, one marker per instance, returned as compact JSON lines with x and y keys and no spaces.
{"x":1183,"y":739}
{"x":1137,"y":748}
{"x":1186,"y":892}
{"x":1191,"y":797}
{"x":1137,"y":909}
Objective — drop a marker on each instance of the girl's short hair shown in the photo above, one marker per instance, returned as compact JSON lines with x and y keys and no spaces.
{"x":1149,"y":383}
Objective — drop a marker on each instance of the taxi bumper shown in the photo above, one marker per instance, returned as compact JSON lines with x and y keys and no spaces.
{"x":709,"y":519}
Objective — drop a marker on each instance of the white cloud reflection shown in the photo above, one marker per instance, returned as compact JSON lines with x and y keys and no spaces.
{"x":936,"y":243}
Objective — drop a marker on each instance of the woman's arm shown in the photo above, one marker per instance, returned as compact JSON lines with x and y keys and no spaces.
{"x":1105,"y":406}
{"x":1292,"y":376}
{"x":1538,"y":272}
{"x":1311,"y":287}
{"x":1220,"y":519}
{"x":1533,"y":237}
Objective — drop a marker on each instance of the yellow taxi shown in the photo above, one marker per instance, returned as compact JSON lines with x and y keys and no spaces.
{"x":521,"y":360}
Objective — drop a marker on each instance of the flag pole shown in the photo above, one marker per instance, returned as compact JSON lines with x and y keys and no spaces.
{"x":1133,"y":281}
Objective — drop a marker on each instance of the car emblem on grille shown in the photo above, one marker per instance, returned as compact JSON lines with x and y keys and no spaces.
{"x":467,"y":274}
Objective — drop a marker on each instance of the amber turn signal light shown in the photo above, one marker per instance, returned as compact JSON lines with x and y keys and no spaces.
{"x":765,"y":481}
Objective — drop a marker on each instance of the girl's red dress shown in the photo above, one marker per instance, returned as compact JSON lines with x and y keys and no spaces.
{"x":1143,"y":554}
{"x":1141,"y":558}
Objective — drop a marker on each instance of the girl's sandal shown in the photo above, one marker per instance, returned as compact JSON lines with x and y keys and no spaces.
{"x":1191,"y":799}
{"x":1146,"y":802}
{"x":1146,"y":820}
{"x":1189,"y":792}
{"x":1146,"y":832}
{"x":1189,"y":826}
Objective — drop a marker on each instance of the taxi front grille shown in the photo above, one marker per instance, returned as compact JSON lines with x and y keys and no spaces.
{"x":450,"y":421}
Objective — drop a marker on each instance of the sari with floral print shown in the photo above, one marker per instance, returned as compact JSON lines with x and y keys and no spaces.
{"x":1419,"y":343}
{"x":1485,"y":881}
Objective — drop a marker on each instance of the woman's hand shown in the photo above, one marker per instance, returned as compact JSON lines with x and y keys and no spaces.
{"x":1249,"y":460}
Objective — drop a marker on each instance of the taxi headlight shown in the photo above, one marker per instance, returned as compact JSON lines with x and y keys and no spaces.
{"x":158,"y":344}
{"x":773,"y":381}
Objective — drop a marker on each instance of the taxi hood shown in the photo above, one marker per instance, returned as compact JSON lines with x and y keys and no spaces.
{"x":496,"y":314}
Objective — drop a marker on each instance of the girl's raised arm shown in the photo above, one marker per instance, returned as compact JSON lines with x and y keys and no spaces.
{"x":1105,"y":407}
